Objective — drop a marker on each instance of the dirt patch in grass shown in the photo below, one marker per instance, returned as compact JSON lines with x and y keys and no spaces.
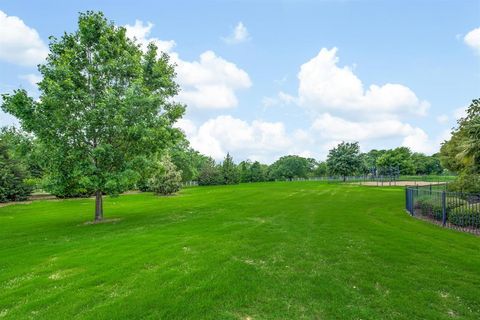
{"x":115,"y":220}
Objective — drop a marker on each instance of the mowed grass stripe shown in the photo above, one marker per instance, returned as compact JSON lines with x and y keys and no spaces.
{"x":262,"y":251}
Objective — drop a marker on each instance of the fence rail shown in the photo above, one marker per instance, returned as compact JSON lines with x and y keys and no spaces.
{"x":455,"y":210}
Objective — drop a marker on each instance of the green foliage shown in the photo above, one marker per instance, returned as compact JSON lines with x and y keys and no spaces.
{"x":258,"y":172}
{"x":290,"y":167}
{"x":166,"y":178}
{"x":188,"y":160}
{"x":370,"y":158}
{"x":252,"y":172}
{"x":344,"y":160}
{"x":13,"y":177}
{"x":320,"y":169}
{"x":426,"y":165}
{"x":450,"y":152}
{"x":25,"y":149}
{"x":210,"y":174}
{"x":467,"y":215}
{"x":400,"y":158}
{"x":103,"y":104}
{"x":461,"y":154}
{"x":468,"y":182}
{"x":229,"y":171}
{"x":430,"y":206}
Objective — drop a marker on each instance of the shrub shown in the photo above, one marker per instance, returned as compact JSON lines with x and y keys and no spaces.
{"x":166,"y":178}
{"x":430,"y":206}
{"x":467,"y":215}
{"x":466,"y":182}
{"x":454,"y":202}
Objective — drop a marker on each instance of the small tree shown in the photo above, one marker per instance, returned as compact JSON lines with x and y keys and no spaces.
{"x":166,"y":178}
{"x":229,"y":170}
{"x":104,"y":103}
{"x":344,"y":159}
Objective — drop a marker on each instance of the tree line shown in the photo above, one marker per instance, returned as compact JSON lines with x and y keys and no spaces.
{"x":26,"y":165}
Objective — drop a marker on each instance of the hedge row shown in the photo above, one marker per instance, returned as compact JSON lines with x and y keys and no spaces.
{"x":459,"y":211}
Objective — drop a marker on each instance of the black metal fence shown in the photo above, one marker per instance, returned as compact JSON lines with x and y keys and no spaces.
{"x":454,"y":210}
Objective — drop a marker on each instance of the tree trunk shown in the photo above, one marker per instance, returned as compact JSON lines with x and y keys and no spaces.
{"x":344,"y":178}
{"x":98,"y":206}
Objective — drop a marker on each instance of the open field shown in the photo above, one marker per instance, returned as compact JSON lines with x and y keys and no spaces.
{"x":290,"y":250}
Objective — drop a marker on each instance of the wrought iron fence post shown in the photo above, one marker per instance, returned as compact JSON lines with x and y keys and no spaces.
{"x":444,"y":208}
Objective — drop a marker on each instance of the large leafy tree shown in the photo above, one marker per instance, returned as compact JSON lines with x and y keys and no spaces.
{"x":426,"y":165}
{"x":344,"y":159}
{"x":461,"y":154}
{"x":396,"y":160}
{"x":290,"y":167}
{"x":104,"y":105}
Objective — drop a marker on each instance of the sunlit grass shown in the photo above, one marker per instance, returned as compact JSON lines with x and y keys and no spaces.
{"x":288,"y":250}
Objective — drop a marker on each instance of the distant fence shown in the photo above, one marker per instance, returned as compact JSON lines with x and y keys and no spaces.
{"x":455,"y":210}
{"x":380,"y":179}
{"x":190,"y":184}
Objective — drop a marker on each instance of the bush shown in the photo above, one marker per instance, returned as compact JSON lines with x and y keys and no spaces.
{"x":468,"y":182}
{"x":430,"y":206}
{"x":467,"y":215}
{"x":166,"y":178}
{"x":454,"y":202}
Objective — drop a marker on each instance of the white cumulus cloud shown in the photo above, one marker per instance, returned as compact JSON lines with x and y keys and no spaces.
{"x":333,"y":128}
{"x":325,"y":86}
{"x":19,"y":43}
{"x":257,"y":140}
{"x":472,"y":39}
{"x":239,"y":34}
{"x":211,"y":82}
{"x":141,"y":31}
{"x":208,"y":83}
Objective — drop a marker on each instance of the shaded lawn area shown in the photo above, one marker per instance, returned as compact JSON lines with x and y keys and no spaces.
{"x":291,"y":250}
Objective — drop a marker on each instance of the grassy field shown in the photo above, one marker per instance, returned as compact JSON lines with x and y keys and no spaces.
{"x":298,"y":250}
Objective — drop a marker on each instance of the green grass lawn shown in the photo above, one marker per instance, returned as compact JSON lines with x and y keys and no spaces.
{"x":298,"y":250}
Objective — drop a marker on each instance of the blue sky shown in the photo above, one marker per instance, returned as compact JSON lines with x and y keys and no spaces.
{"x":267,"y":78}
